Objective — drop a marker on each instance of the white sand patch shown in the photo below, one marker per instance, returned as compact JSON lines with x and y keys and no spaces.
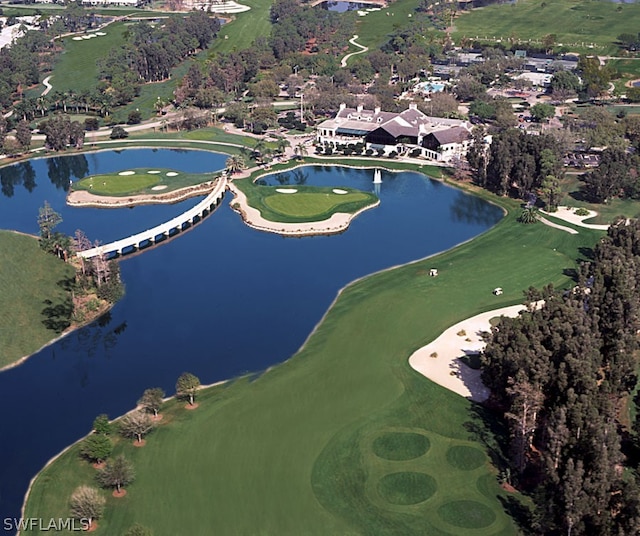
{"x":286,"y":190}
{"x":159,"y":187}
{"x":101,"y":33}
{"x":445,"y":368}
{"x":154,"y":171}
{"x":77,"y":38}
{"x":127,"y":173}
{"x":339,"y":191}
{"x":569,"y":214}
{"x":86,"y":37}
{"x":171,"y":174}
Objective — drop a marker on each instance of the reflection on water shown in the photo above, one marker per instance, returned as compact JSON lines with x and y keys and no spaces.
{"x":472,"y":209}
{"x":189,"y":304}
{"x":18,"y":174}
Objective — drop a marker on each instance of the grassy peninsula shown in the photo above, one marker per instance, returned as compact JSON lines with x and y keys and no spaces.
{"x":31,"y":288}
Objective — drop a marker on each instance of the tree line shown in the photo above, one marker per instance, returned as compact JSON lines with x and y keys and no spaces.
{"x":560,"y":375}
{"x":86,"y":503}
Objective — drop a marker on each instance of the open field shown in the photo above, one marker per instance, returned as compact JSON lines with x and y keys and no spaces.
{"x":375,"y":27}
{"x":577,"y":25}
{"x":245,"y":27}
{"x":295,"y":204}
{"x":76,"y":70}
{"x":344,"y":437}
{"x":28,"y":277}
{"x":140,"y":181}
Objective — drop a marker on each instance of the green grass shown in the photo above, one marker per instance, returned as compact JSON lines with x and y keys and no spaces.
{"x":141,"y":182}
{"x":309,"y":203}
{"x":290,"y":452}
{"x":407,"y":487}
{"x":28,"y":277}
{"x":77,"y":70}
{"x":374,"y":29}
{"x":400,"y":445}
{"x":572,"y":196}
{"x":577,"y":24}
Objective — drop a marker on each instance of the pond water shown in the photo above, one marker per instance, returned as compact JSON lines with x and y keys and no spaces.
{"x":217,"y":301}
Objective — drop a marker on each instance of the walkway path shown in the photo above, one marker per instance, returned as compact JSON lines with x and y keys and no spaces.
{"x":464,"y":338}
{"x":557,"y":226}
{"x":362,"y":48}
{"x":204,"y":207}
{"x":47,"y":86}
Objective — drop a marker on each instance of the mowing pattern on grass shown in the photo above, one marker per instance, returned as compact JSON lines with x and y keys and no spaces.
{"x":307,"y":203}
{"x":140,"y":181}
{"x":576,"y":24}
{"x":467,"y":514}
{"x":28,"y":278}
{"x":295,"y":445}
{"x":407,"y":487}
{"x":401,"y":445}
{"x":465,"y":458}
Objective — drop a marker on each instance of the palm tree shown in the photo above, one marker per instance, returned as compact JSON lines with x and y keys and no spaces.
{"x":234,"y":164}
{"x":301,"y":150}
{"x":282,"y":143}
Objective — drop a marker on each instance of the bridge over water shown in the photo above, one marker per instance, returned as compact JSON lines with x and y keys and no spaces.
{"x":164,"y":230}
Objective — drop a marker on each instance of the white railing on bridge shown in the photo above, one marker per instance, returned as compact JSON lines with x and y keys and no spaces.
{"x":163,"y":229}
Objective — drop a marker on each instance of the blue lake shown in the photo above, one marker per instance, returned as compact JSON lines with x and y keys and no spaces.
{"x":219,"y":300}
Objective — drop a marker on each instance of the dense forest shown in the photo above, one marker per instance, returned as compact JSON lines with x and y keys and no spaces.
{"x":561,"y":374}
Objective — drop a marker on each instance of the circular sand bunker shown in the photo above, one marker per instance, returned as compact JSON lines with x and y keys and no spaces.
{"x":171,"y":174}
{"x":154,"y":171}
{"x":127,"y":173}
{"x":286,"y":190}
{"x":159,"y":187}
{"x":339,"y":191}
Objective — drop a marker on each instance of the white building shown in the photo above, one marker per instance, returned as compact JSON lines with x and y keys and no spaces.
{"x":409,"y":131}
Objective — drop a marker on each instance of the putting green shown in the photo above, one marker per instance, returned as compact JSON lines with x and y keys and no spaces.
{"x":114,"y":184}
{"x":407,"y":487}
{"x":314,"y":204}
{"x":465,"y":458}
{"x":398,"y":446}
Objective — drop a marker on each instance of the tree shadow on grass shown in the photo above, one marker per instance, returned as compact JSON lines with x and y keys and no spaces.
{"x":57,"y":315}
{"x":485,"y":427}
{"x":519,"y":512}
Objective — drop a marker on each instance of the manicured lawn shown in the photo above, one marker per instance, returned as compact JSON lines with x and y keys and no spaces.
{"x":77,"y":68}
{"x":577,"y":24}
{"x":308,"y":203}
{"x":28,"y":277}
{"x":141,"y":181}
{"x":374,"y":28}
{"x":572,"y":196}
{"x":297,"y":450}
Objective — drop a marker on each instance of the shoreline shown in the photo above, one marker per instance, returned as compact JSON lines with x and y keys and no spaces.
{"x":336,"y":224}
{"x":83,"y":198}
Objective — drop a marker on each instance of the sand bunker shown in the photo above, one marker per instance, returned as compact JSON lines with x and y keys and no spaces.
{"x":77,"y":38}
{"x":286,"y":190}
{"x":339,"y":191}
{"x":127,"y":173}
{"x":159,"y":187}
{"x":154,"y":171}
{"x":101,"y":33}
{"x":171,"y":174}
